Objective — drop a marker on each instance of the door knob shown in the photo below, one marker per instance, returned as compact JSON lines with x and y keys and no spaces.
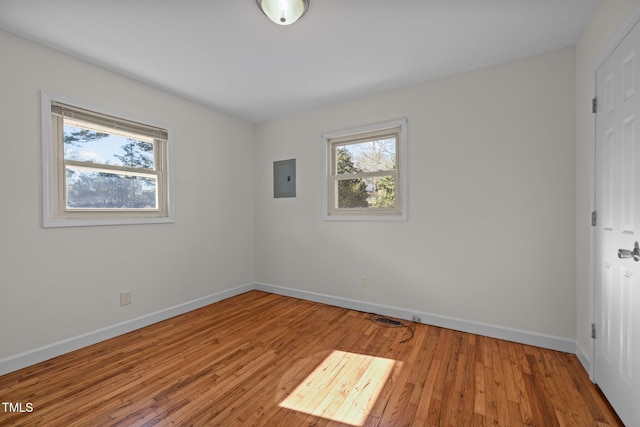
{"x":626,"y":253}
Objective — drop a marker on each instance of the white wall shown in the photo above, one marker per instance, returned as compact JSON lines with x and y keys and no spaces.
{"x":56,"y":284}
{"x":606,"y":20}
{"x":491,"y":230}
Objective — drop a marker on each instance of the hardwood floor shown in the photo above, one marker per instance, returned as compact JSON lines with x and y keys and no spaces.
{"x":268,"y":360}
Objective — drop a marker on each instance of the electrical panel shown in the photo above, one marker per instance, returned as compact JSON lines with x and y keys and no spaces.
{"x":284,"y":178}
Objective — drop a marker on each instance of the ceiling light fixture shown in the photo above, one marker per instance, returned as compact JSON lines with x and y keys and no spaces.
{"x":283,"y":12}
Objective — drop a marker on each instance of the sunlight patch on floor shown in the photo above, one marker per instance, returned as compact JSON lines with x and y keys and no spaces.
{"x":343,"y":388}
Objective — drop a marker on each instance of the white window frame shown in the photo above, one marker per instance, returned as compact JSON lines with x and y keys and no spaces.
{"x":331,"y":140}
{"x":55,"y":213}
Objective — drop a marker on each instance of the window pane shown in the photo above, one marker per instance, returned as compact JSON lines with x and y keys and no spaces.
{"x":87,"y":145}
{"x":376,"y":192}
{"x":100,"y":190}
{"x":369,"y":156}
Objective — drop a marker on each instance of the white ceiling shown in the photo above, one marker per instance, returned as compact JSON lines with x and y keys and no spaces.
{"x":226,"y":54}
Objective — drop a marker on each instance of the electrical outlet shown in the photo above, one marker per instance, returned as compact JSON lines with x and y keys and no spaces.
{"x":125,"y":298}
{"x":363,"y":281}
{"x":416,"y":318}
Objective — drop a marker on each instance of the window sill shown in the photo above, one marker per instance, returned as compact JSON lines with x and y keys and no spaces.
{"x":392,"y":218}
{"x":71,"y":222}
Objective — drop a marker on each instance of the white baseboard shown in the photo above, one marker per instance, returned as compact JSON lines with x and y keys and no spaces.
{"x":584,"y":359}
{"x":500,"y":332}
{"x":19,"y":361}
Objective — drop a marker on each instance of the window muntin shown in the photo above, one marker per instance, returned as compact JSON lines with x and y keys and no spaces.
{"x":365,"y":172}
{"x":101,"y":168}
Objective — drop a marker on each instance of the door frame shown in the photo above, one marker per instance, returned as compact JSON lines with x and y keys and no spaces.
{"x":621,"y":34}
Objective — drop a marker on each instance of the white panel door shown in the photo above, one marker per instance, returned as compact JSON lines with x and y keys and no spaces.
{"x":617,"y":290}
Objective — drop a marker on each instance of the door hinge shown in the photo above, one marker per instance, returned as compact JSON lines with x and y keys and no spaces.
{"x":593,"y":331}
{"x":594,"y":105}
{"x":594,"y":218}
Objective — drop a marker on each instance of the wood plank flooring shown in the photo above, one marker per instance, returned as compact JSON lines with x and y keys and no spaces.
{"x":268,"y":360}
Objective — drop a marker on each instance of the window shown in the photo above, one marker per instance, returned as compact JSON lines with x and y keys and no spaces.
{"x":365,"y":173}
{"x":101,"y":168}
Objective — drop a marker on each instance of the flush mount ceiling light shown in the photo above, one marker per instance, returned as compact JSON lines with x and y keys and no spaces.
{"x":283,"y":12}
